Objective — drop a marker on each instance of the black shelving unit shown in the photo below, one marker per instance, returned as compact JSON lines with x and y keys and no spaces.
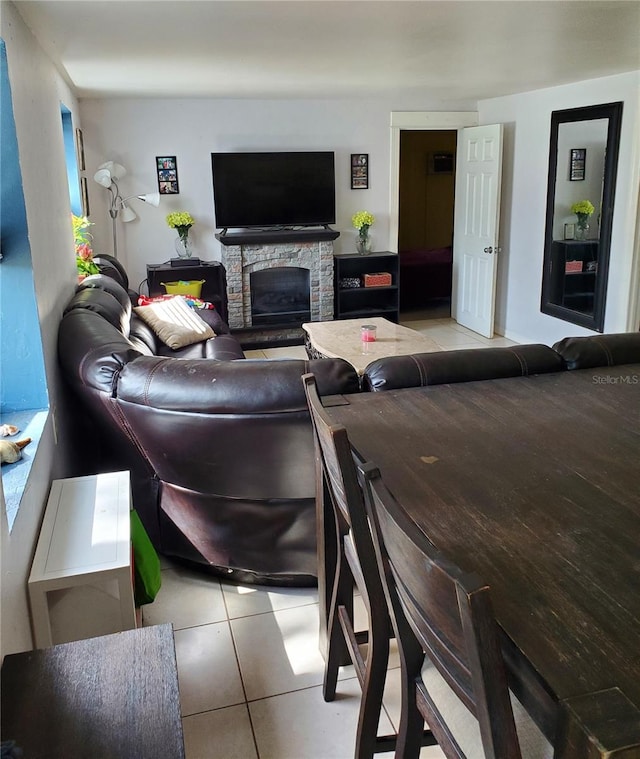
{"x":574,"y":289}
{"x":362,"y":302}
{"x":214,"y":274}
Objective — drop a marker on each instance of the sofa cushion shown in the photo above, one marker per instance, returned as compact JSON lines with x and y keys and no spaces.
{"x":600,"y":350}
{"x":175,"y":323}
{"x":468,"y":365}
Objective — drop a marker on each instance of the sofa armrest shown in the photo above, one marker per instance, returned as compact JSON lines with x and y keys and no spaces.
{"x":223,"y":348}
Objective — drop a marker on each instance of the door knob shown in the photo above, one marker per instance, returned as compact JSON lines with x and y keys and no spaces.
{"x":488,"y":250}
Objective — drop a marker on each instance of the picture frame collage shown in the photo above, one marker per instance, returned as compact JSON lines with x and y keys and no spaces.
{"x":359,"y":171}
{"x":577,"y":162}
{"x":167,"y":170}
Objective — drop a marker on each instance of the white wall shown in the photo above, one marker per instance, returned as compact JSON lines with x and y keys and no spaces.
{"x":37,"y":92}
{"x":527,"y":120}
{"x":134,"y":132}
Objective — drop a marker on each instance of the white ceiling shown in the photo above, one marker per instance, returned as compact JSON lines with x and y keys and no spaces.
{"x":447,"y":50}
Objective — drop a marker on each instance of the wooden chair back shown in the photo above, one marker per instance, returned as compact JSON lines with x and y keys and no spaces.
{"x":448,"y":615}
{"x":353,"y":566}
{"x":339,"y":468}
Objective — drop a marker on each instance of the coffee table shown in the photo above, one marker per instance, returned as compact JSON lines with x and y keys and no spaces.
{"x":341,"y":339}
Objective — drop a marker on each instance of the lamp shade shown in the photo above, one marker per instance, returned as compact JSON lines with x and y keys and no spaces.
{"x":103,"y":177}
{"x":127,"y":214}
{"x":109,"y":171}
{"x":116,"y":170}
{"x":152,"y":198}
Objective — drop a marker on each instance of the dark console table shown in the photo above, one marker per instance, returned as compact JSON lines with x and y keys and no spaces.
{"x":214,"y":288}
{"x":110,"y":697}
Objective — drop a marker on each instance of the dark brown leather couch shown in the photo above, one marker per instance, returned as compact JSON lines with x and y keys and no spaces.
{"x":220,"y":450}
{"x":600,"y":350}
{"x":423,"y":369}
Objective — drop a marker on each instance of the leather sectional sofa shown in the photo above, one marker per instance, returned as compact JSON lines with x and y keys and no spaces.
{"x":219,"y":447}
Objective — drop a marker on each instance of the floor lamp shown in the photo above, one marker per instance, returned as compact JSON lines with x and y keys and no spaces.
{"x":107,"y":176}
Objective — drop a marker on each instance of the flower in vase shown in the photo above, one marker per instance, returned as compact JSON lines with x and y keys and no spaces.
{"x":583,"y":210}
{"x":362,"y":221}
{"x":583,"y":207}
{"x":181,"y":221}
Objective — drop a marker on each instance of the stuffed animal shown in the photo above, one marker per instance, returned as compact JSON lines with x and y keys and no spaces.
{"x":11,"y":452}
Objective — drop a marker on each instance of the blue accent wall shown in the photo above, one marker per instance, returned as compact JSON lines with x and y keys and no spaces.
{"x":22,"y":374}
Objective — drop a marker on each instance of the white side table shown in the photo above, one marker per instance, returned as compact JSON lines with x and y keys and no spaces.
{"x":81,"y":582}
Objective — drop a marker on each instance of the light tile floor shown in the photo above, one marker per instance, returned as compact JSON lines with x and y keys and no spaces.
{"x":249,"y":667}
{"x":250,"y":672}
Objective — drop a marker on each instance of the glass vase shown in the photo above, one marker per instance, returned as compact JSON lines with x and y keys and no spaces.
{"x":364,"y":243}
{"x":183,"y":247}
{"x":582,"y":231}
{"x":582,"y":227}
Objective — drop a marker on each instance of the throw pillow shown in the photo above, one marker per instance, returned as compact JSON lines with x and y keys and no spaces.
{"x":175,"y":323}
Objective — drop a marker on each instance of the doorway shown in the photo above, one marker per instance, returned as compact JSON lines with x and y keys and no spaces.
{"x":426,"y":193}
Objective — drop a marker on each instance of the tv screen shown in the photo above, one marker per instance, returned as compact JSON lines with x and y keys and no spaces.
{"x":274,"y":189}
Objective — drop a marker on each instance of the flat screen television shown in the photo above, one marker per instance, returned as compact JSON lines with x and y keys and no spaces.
{"x":274,"y":189}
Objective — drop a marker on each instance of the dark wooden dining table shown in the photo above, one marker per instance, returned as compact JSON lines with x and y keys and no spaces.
{"x":534,"y":484}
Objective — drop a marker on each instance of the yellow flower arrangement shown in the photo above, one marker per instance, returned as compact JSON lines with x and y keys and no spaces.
{"x":583,"y":207}
{"x":181,"y":221}
{"x":362,"y":220}
{"x":583,"y":210}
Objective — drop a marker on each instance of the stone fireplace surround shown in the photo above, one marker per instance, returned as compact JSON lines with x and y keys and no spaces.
{"x":246,"y":252}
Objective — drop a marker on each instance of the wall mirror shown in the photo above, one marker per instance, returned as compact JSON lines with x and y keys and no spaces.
{"x":583,"y":159}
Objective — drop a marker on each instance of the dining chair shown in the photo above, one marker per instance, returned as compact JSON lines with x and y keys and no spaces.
{"x":453,"y":673}
{"x":355,"y":567}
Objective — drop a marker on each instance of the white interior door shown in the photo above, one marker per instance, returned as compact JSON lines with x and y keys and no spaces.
{"x":475,"y":233}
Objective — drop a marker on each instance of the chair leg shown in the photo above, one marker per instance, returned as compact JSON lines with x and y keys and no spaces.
{"x":372,"y":690}
{"x":410,"y":731}
{"x":337,"y":652}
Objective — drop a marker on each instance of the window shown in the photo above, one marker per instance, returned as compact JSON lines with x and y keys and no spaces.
{"x":23,"y":388}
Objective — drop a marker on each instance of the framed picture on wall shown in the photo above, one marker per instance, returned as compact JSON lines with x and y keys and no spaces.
{"x":167,"y":168}
{"x":80,"y":150}
{"x":359,"y":171}
{"x":84,"y":196}
{"x":577,"y":164}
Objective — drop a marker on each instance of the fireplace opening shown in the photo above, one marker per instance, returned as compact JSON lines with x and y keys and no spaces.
{"x":280,"y":296}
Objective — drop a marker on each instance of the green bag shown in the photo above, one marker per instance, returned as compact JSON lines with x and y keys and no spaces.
{"x":146,"y":564}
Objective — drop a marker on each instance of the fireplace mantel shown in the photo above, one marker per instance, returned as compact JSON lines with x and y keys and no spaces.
{"x":275,"y":236}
